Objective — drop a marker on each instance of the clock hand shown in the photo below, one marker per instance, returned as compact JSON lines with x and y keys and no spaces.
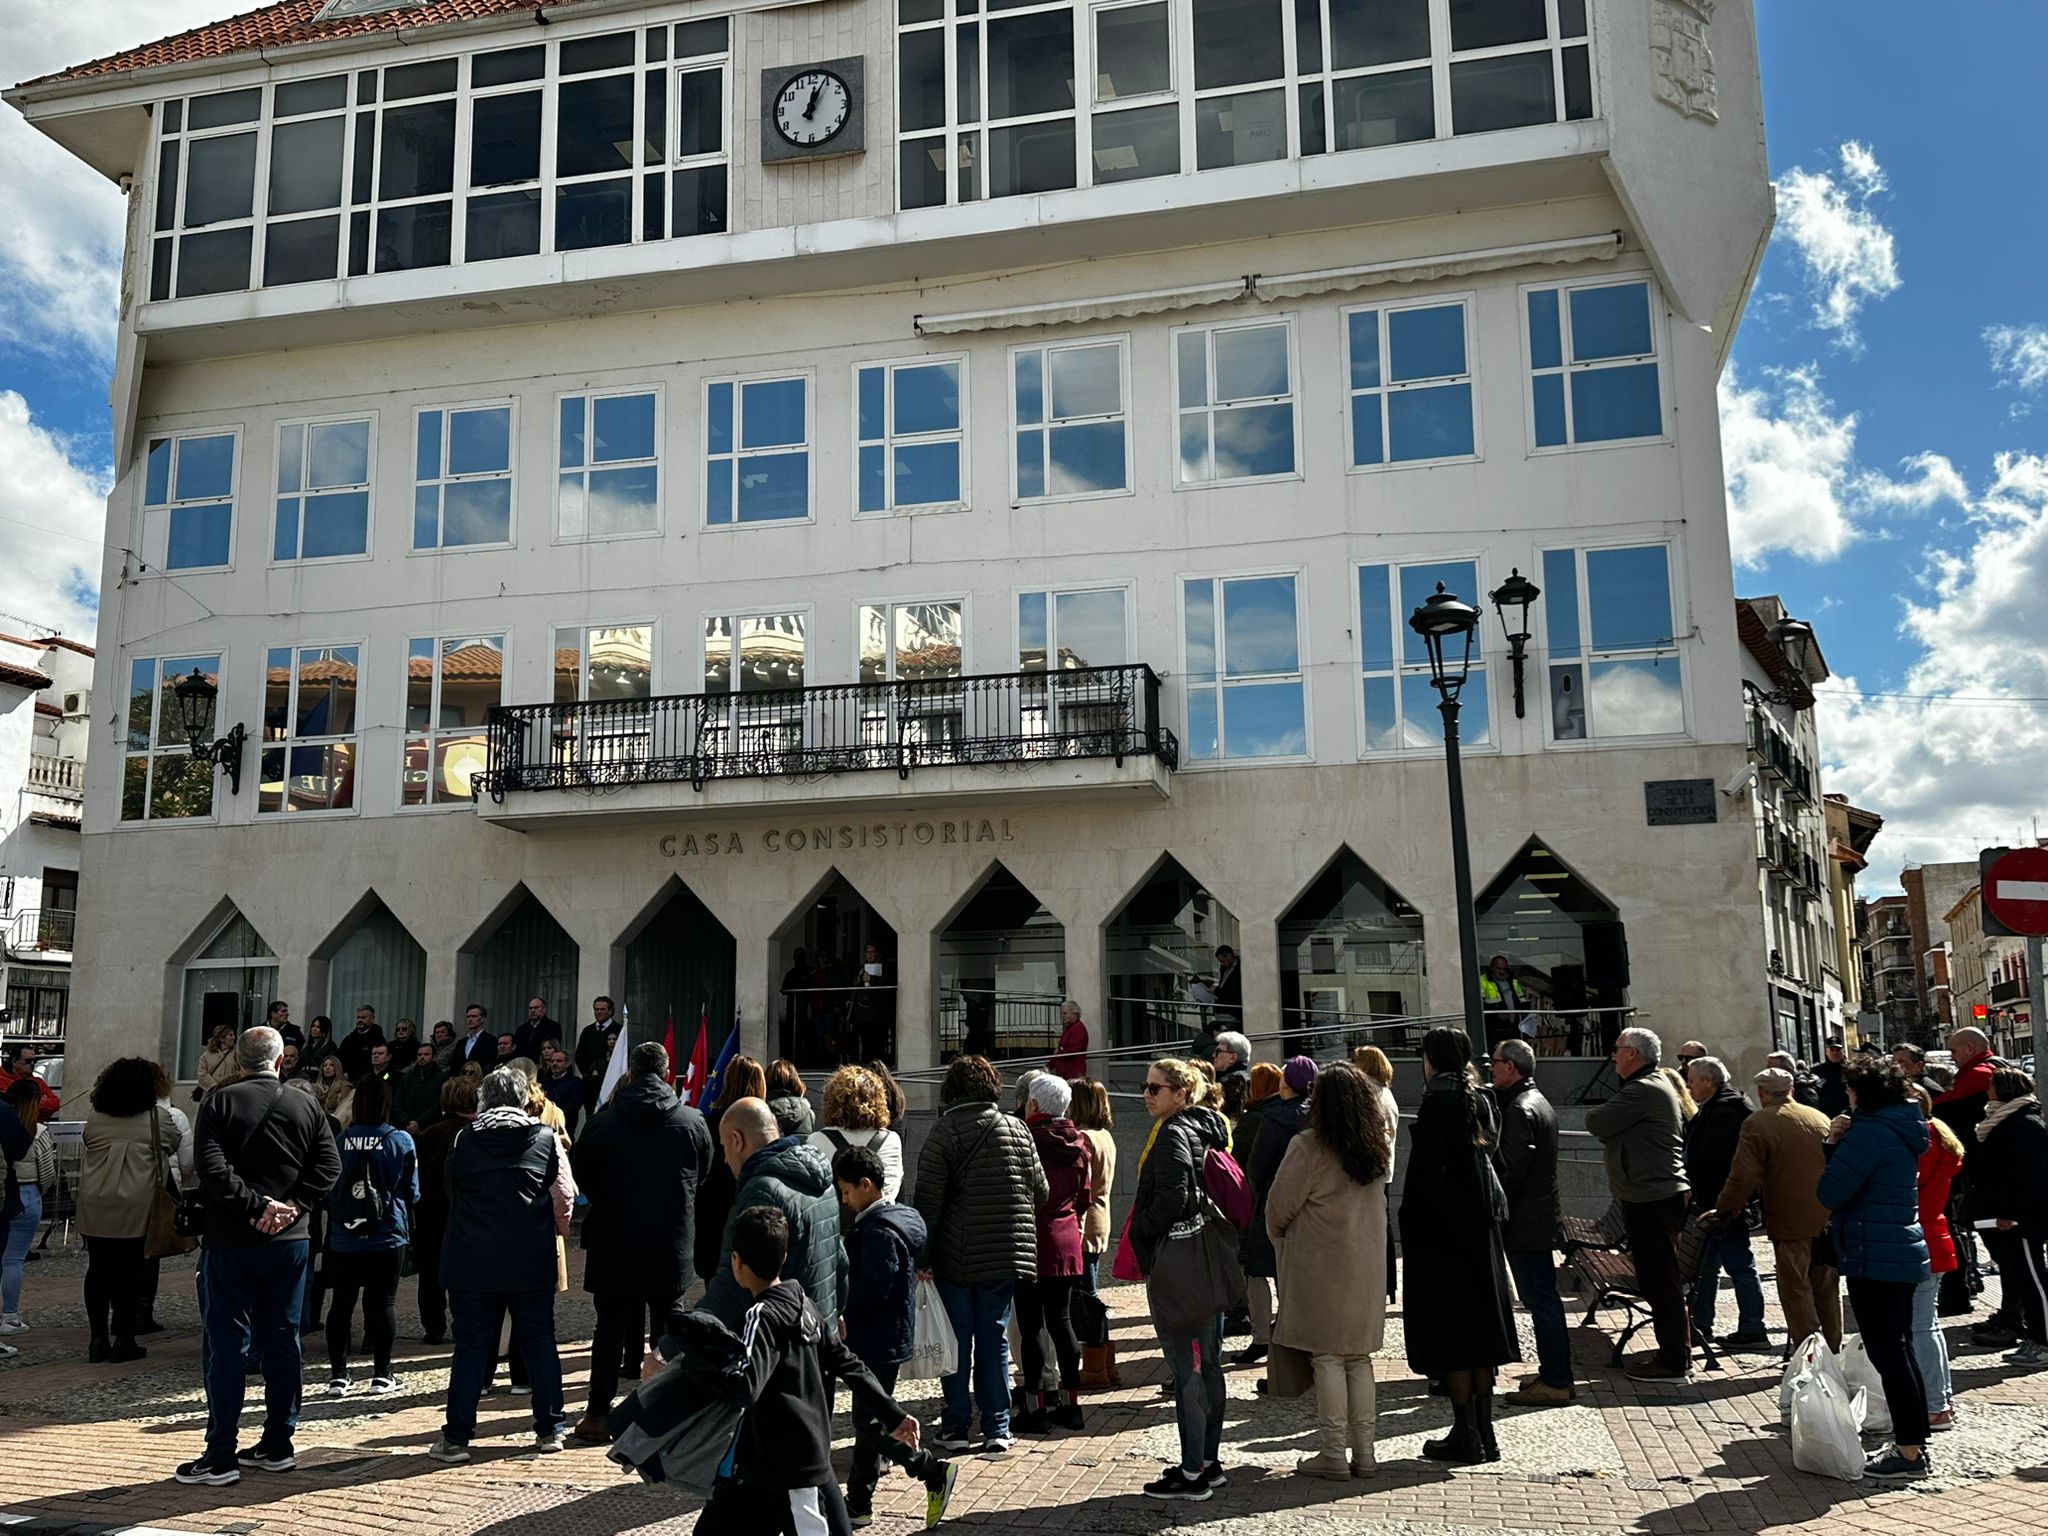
{"x":816,"y":91}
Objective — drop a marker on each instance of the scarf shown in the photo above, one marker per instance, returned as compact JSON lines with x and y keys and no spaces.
{"x":2000,"y":1112}
{"x":501,"y":1115}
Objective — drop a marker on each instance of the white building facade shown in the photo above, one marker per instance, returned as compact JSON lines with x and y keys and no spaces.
{"x":907,"y":477}
{"x":45,"y":723}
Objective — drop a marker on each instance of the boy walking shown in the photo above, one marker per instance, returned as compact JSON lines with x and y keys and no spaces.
{"x":881,"y":1327}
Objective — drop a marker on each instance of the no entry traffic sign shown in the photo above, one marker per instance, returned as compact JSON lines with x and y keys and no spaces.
{"x":2016,"y":890}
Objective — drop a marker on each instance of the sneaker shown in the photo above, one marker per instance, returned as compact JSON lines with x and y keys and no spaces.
{"x":1894,"y":1468}
{"x":859,"y":1519}
{"x":1648,"y":1367}
{"x":1176,"y":1484}
{"x":10,"y":1325}
{"x":1993,"y":1336}
{"x":952,"y":1440}
{"x":1212,"y":1476}
{"x":1540,"y":1394}
{"x":1746,"y":1339}
{"x":267,"y":1460}
{"x":211,"y":1474}
{"x":448,"y":1451}
{"x":522,"y":1389}
{"x":1946,"y":1419}
{"x":2028,"y":1353}
{"x":339,"y":1387}
{"x":547,"y":1441}
{"x":8,"y":1351}
{"x":938,"y":1493}
{"x":384,"y":1386}
{"x":996,"y":1445}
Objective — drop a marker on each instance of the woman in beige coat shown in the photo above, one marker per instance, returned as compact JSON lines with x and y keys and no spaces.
{"x":1327,"y":1215}
{"x":129,"y":1142}
{"x":217,"y":1063}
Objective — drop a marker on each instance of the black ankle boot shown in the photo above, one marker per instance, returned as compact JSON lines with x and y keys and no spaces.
{"x":98,"y":1349}
{"x":1031,"y":1420}
{"x":1462,"y":1444}
{"x":1482,"y":1407}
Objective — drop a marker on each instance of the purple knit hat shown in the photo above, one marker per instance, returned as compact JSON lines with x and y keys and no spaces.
{"x":1300,"y":1073}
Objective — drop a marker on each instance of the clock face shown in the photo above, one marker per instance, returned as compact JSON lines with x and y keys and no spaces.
{"x":812,"y":107}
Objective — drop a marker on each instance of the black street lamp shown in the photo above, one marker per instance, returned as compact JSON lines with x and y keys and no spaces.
{"x":196,"y":698}
{"x":1447,"y":625}
{"x":1517,"y":592}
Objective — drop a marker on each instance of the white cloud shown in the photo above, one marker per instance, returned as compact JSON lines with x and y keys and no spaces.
{"x":1959,"y":769}
{"x":2019,"y":357}
{"x":1848,"y":254}
{"x":51,"y":513}
{"x":1794,"y":484}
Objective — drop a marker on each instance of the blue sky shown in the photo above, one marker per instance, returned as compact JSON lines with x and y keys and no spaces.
{"x":1885,"y":417}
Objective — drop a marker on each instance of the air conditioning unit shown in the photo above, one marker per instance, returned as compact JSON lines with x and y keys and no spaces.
{"x":78,"y":703}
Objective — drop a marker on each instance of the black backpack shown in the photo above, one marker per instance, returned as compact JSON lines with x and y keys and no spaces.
{"x":362,"y":1205}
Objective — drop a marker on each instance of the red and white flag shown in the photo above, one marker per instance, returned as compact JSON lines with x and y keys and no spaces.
{"x":699,"y":1067}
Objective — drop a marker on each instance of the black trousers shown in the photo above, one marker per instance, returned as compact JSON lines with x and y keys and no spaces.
{"x":113,"y":1286}
{"x":426,"y":1264}
{"x":738,"y":1509}
{"x":1884,"y":1314}
{"x":2023,"y":1282}
{"x":1653,"y":1227}
{"x":625,"y":1325}
{"x":873,"y":1445}
{"x":1049,"y":1300}
{"x":374,"y":1277}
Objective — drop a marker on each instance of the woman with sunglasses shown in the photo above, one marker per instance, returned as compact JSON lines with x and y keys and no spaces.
{"x":1169,"y":1192}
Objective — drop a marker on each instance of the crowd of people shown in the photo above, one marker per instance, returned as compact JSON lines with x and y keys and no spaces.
{"x":1262,"y":1208}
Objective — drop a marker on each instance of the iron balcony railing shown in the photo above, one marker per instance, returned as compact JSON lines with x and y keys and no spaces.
{"x":42,"y":928}
{"x":1000,"y":718}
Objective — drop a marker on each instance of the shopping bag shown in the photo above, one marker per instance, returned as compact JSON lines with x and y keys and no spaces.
{"x":1858,"y":1371}
{"x":1826,"y":1425}
{"x":1091,"y":1319}
{"x":1196,"y":1275}
{"x":1812,"y":1352}
{"x":935,"y":1351}
{"x":1125,"y":1265}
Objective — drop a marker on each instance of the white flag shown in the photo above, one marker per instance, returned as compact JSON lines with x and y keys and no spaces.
{"x":614,"y":1070}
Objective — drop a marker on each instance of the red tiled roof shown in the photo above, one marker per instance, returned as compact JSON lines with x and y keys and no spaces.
{"x":49,"y":709}
{"x":281,"y":26}
{"x":70,"y":645}
{"x":24,"y":677}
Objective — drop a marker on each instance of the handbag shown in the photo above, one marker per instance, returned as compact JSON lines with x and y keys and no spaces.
{"x":166,"y":1235}
{"x":1196,"y":1275}
{"x":1090,"y":1314}
{"x":1290,"y":1372}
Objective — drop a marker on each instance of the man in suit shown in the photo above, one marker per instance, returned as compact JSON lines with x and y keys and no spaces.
{"x":479,"y":1045}
{"x":537,"y":1030}
{"x":592,"y":1055}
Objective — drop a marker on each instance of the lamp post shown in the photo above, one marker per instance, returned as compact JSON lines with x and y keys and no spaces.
{"x":1447,"y":625}
{"x":197,"y":695}
{"x":1517,"y":592}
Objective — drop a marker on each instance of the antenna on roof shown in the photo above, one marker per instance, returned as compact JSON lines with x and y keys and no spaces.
{"x":31,"y":623}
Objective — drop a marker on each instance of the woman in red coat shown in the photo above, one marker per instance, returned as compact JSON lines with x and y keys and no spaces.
{"x":1048,"y":1297}
{"x":1939,"y":1165}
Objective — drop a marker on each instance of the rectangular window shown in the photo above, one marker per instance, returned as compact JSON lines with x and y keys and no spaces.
{"x":1518,"y":62}
{"x":1061,"y":638}
{"x":608,"y":464}
{"x":188,"y":488}
{"x":1234,"y":402}
{"x":1241,"y":639}
{"x":923,"y":645}
{"x":986,"y":106}
{"x":756,"y":662}
{"x":1400,"y":702}
{"x":598,"y":663}
{"x":1593,"y":364}
{"x":501,"y":214}
{"x":323,"y":490}
{"x":1364,"y":75}
{"x":908,"y":422}
{"x":1240,"y":82}
{"x":701,"y":155}
{"x":1135,"y":131}
{"x":1068,"y":407}
{"x":205,"y":221}
{"x":597,"y":142}
{"x":462,"y":477}
{"x":1410,"y":383}
{"x":1613,"y":658}
{"x":412,"y":198}
{"x":450,"y":686}
{"x":757,"y":450}
{"x":309,"y":730}
{"x":160,"y":781}
{"x":309,"y":146}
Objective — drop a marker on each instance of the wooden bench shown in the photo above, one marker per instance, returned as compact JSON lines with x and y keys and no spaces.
{"x":1608,"y":1273}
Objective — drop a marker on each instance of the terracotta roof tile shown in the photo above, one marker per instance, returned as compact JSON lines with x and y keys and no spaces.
{"x":24,"y":677}
{"x":281,"y":26}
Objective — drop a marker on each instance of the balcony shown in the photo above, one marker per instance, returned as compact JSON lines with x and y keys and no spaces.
{"x":2006,"y":994}
{"x":61,"y":778}
{"x":44,"y":933}
{"x":1085,"y":732}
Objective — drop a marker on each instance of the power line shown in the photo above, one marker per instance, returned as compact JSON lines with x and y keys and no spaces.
{"x":1977,"y":700}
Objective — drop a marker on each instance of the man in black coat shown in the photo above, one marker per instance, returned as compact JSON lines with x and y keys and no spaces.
{"x":639,"y":1164}
{"x":1527,"y":1164}
{"x":1710,"y":1140}
{"x":478,"y":1044}
{"x":1834,"y":1092}
{"x":592,"y":1054}
{"x":537,"y":1030}
{"x":355,"y":1045}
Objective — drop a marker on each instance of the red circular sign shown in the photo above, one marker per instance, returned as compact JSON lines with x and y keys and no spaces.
{"x":2016,"y":890}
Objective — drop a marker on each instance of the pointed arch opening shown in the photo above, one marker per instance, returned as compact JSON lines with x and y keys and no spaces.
{"x":229,"y":977}
{"x":1002,"y":973}
{"x":519,"y":952}
{"x":372,"y":959}
{"x":1352,"y":961}
{"x":679,"y":964}
{"x":835,"y":958}
{"x":1160,"y":958}
{"x":1565,"y":951}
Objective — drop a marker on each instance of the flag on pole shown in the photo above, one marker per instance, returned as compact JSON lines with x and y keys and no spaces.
{"x":614,"y":1073}
{"x":668,"y":1044}
{"x":692,"y":1085}
{"x":716,"y":1080}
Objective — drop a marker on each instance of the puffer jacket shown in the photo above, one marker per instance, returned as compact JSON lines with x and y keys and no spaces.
{"x":797,"y":1181}
{"x":1064,"y":1154}
{"x":1872,"y":1185}
{"x":1171,"y":1180}
{"x":979,"y":1186}
{"x":1273,"y":1127}
{"x":881,"y":1286}
{"x":1939,"y":1165}
{"x":794,"y":1115}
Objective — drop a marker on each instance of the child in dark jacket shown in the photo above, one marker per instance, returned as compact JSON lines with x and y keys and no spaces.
{"x":881,"y":1327}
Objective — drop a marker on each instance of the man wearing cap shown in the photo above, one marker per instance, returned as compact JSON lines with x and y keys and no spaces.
{"x":1782,"y":1151}
{"x":1834,"y":1093}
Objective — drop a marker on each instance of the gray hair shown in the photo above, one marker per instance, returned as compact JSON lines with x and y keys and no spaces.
{"x":1070,"y":1006}
{"x":1516,"y":1053}
{"x":1644,"y":1043}
{"x":1230,"y":1040}
{"x":1785,"y":1061}
{"x":1711,"y":1069}
{"x":1774,"y":1083}
{"x":1051,"y":1094}
{"x":258,"y":1049}
{"x":504,"y":1088}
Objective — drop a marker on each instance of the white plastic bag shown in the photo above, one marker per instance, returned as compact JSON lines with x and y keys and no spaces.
{"x":1826,"y":1420}
{"x":1812,"y":1353}
{"x":1858,"y":1371}
{"x":935,"y":1352}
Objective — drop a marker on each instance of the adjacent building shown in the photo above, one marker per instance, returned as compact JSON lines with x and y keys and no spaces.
{"x":1891,"y":972}
{"x":1932,"y":892}
{"x":664,"y":487}
{"x":1850,"y":830}
{"x":45,"y":721}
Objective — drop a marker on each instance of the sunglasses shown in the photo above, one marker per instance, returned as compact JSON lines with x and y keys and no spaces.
{"x":1152,"y":1088}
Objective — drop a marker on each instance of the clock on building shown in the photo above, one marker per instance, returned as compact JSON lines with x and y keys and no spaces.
{"x":809,"y":111}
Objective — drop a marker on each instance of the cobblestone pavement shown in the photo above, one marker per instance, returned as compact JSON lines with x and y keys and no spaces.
{"x":91,"y":1448}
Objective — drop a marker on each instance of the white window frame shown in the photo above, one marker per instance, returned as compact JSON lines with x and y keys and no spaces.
{"x":156,"y":518}
{"x":801,"y":715}
{"x":289,"y":744}
{"x":1660,"y":357}
{"x":1587,"y":658}
{"x":889,"y":440}
{"x":734,"y":456}
{"x":368,"y":486}
{"x":1467,"y":301}
{"x":698,"y":63}
{"x":340,"y":210}
{"x":1444,"y":56}
{"x":1045,"y":425}
{"x":590,"y":397}
{"x":154,"y":751}
{"x":1054,"y":590}
{"x":1188,"y":686}
{"x":1478,"y":680}
{"x":959,"y":598}
{"x":1179,"y":73}
{"x":1213,"y":408}
{"x":510,"y":474}
{"x":585,"y":628}
{"x":434,"y":732}
{"x":259,"y":190}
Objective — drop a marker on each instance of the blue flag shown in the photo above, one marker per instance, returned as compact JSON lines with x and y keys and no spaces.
{"x":726,"y":1052}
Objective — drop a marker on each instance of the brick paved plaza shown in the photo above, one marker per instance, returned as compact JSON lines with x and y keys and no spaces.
{"x":91,"y":1448}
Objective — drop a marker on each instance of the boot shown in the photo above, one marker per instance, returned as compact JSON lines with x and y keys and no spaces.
{"x":1116,"y":1377}
{"x":1094,"y":1365}
{"x":1067,"y":1415}
{"x":98,"y":1349}
{"x":1332,"y":1460}
{"x":126,"y":1349}
{"x":1462,"y":1444}
{"x":1482,"y":1404}
{"x":1033,"y":1420}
